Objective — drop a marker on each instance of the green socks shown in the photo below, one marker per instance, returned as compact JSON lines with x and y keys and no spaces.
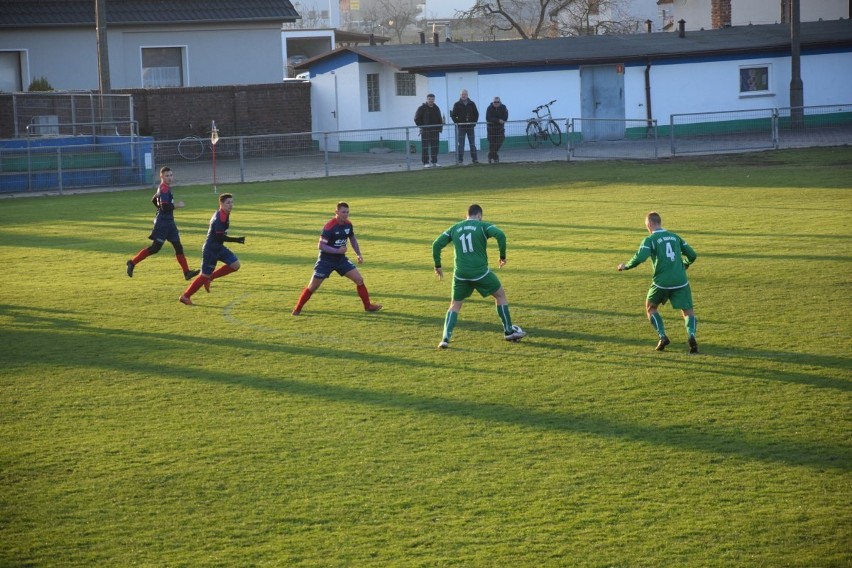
{"x":503,"y":312}
{"x":449,"y":323}
{"x":657,"y":323}
{"x":691,"y":323}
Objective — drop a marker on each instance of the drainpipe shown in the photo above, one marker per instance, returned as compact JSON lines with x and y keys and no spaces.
{"x":648,"y":114}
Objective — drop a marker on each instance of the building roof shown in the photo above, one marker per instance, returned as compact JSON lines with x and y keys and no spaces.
{"x":590,"y":50}
{"x":73,"y":13}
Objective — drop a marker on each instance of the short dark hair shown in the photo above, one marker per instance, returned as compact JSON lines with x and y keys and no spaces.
{"x":165,"y":169}
{"x":341,"y":204}
{"x":654,"y":218}
{"x":474,"y":210}
{"x":225,"y":196}
{"x":430,"y":95}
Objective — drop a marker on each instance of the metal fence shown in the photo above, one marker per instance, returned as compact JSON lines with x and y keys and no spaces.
{"x":613,"y":138}
{"x":56,"y":162}
{"x":72,"y":114}
{"x":760,"y":129}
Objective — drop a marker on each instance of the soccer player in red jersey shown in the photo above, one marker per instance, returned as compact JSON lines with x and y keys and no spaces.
{"x":332,"y":258}
{"x":165,"y":228}
{"x":215,"y":250}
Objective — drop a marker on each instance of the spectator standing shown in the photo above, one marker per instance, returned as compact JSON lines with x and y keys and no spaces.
{"x":428,"y":118}
{"x":496,"y":117}
{"x":465,"y":115}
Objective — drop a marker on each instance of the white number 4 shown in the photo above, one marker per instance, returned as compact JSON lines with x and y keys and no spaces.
{"x":669,"y":252}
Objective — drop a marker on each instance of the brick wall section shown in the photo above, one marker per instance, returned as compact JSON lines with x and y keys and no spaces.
{"x":239,"y":110}
{"x":720,"y":13}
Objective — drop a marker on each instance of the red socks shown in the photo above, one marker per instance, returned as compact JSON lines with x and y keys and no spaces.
{"x":182,"y":261}
{"x":365,"y":295}
{"x":223,"y":270}
{"x":303,"y":299}
{"x":140,"y":256}
{"x":195,"y":285}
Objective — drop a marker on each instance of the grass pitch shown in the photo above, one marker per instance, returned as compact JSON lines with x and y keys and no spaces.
{"x":138,"y":431}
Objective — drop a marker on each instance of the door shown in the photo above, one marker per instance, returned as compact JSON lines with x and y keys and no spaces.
{"x":455,"y":83}
{"x":324,"y":105}
{"x":602,"y":94}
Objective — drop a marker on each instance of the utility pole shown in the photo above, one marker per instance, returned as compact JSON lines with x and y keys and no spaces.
{"x":797,"y":89}
{"x":103,"y":61}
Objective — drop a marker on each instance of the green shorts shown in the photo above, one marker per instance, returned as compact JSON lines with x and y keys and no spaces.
{"x":486,"y":286}
{"x":681,"y":298}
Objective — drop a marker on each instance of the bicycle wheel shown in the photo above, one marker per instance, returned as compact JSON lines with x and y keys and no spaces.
{"x":534,"y":134}
{"x":191,"y":148}
{"x":554,"y":132}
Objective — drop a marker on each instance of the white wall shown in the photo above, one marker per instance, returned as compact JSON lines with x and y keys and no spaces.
{"x":217,"y":56}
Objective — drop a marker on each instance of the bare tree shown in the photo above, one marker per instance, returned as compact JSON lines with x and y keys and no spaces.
{"x":390,"y":16}
{"x":534,"y":19}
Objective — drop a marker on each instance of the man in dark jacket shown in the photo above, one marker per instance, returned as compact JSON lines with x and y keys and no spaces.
{"x":428,"y":118}
{"x":465,"y":115}
{"x":496,"y":117}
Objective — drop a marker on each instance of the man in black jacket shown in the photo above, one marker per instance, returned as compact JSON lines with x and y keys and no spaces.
{"x":428,"y":118}
{"x":496,"y":117}
{"x":465,"y":115}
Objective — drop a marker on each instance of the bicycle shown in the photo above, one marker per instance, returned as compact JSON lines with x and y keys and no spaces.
{"x":543,"y":127}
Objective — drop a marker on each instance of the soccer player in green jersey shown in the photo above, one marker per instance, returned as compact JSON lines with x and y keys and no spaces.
{"x":666,"y":251}
{"x":471,"y":271}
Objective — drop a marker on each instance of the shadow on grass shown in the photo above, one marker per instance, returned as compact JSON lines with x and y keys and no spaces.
{"x":65,"y":348}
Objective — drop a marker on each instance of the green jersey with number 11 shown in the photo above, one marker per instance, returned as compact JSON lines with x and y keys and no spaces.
{"x":469,"y":237}
{"x":665,"y":250}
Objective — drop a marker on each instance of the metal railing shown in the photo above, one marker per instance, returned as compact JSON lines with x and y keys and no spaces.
{"x":50,"y":163}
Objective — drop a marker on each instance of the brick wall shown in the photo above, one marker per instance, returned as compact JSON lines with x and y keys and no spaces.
{"x":239,"y":110}
{"x":720,"y":13}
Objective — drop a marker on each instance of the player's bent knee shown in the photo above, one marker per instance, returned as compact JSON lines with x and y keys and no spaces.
{"x":155,"y":247}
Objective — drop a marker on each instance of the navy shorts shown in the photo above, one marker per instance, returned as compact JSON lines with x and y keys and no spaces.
{"x":165,"y":230}
{"x":324,"y":267}
{"x":210,"y":256}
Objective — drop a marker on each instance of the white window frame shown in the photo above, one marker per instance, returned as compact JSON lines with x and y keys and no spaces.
{"x":767,"y":68}
{"x":182,"y":71}
{"x":374,"y":94}
{"x":405,"y":82}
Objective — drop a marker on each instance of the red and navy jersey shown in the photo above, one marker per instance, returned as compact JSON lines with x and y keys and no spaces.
{"x":219,"y":223}
{"x":336,"y":234}
{"x":164,"y":202}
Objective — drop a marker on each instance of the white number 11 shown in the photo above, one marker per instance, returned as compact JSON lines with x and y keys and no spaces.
{"x":467,"y":242}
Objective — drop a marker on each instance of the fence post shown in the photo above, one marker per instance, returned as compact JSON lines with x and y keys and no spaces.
{"x":242,"y":161}
{"x":775,"y":140}
{"x":408,"y":148}
{"x":59,"y":168}
{"x":569,"y":129}
{"x":325,"y":151}
{"x":672,"y":134}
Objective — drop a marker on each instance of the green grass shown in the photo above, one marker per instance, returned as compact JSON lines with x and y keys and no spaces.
{"x":137,"y":431}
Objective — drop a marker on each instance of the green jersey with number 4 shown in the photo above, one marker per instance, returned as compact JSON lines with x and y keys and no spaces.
{"x":666,"y":250}
{"x":469,"y":238}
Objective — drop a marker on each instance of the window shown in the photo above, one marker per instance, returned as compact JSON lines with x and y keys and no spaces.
{"x":406,"y":85}
{"x":10,"y":71}
{"x":754,"y":80}
{"x":374,"y":103}
{"x":162,"y":67}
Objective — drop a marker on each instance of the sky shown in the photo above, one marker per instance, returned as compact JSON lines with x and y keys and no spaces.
{"x":437,"y":9}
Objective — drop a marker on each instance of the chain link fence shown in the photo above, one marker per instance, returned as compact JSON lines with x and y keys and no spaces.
{"x":51,"y":162}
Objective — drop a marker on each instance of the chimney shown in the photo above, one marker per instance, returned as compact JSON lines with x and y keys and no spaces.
{"x":681,"y":28}
{"x":720,"y":14}
{"x":648,"y":25}
{"x":372,"y":39}
{"x":422,"y":37}
{"x":435,"y":39}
